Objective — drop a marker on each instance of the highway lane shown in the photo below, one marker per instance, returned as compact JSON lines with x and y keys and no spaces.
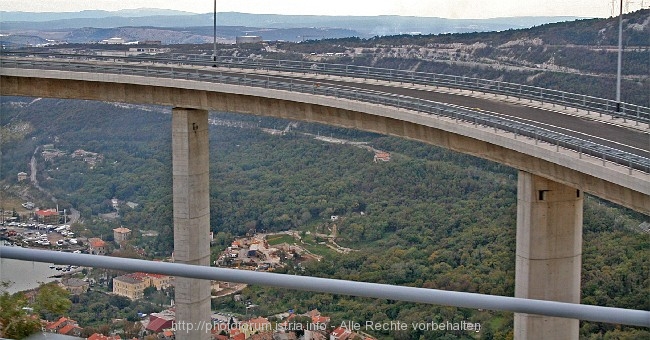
{"x":611,"y":135}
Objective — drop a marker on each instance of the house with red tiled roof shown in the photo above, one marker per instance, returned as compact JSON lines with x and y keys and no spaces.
{"x":98,"y":336}
{"x":71,"y":330}
{"x":320,"y":319}
{"x":381,"y":156}
{"x":47,"y":216}
{"x":97,"y":246}
{"x":240,"y":336}
{"x":159,"y":322}
{"x":340,"y":333}
{"x":63,"y":326}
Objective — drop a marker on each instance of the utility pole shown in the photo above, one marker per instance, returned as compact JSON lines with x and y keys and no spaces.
{"x":620,"y":59}
{"x":214,"y":35}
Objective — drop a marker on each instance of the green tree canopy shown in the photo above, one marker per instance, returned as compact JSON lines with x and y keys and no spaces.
{"x":16,"y":322}
{"x":52,"y":300}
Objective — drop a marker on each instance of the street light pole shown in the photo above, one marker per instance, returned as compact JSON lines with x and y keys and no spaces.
{"x":620,"y":59}
{"x":214,"y":35}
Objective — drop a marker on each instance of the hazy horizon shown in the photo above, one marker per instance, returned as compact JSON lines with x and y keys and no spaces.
{"x":459,"y":9}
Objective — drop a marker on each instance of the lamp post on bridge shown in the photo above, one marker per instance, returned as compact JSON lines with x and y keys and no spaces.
{"x":620,"y":59}
{"x":214,"y":35}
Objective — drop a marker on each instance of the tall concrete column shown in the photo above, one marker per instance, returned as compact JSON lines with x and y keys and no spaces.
{"x":549,"y":253}
{"x":190,"y":169}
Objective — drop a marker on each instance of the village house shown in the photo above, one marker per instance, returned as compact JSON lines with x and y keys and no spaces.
{"x":381,"y":156}
{"x":64,"y":326}
{"x":340,"y":333}
{"x":133,"y":285}
{"x":22,"y":176}
{"x":91,"y":158}
{"x":75,"y":286}
{"x":256,"y":325}
{"x":47,"y":216}
{"x":97,"y":246}
{"x":50,"y":155}
{"x":121,"y":234}
{"x":158,"y":322}
{"x":115,"y":203}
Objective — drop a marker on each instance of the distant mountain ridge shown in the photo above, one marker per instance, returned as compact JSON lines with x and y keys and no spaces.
{"x":87,"y":14}
{"x":365,"y":26}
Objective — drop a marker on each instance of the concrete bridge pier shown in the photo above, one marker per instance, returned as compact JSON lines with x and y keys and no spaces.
{"x":190,"y":170}
{"x":549,"y":253}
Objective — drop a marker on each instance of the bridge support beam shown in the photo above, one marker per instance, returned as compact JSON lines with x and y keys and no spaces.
{"x":190,"y":170}
{"x":549,"y":253}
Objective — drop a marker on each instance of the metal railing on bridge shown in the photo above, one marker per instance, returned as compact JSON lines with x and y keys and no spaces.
{"x":637,"y":113}
{"x":344,"y":287}
{"x":155,"y":69}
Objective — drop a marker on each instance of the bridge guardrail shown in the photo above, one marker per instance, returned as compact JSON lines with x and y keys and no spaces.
{"x":333,"y":286}
{"x":637,"y":113}
{"x":579,"y":145}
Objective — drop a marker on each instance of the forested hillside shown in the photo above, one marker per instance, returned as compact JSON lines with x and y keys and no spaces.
{"x":428,"y":218}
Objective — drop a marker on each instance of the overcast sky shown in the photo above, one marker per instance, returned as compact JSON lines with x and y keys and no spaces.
{"x":426,"y":8}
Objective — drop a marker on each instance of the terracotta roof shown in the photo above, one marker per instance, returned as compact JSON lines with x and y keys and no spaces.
{"x":96,"y":242}
{"x":158,"y":324}
{"x":168,"y":333}
{"x":44,"y":213}
{"x":122,"y":230}
{"x":65,"y":330}
{"x":341,"y":332}
{"x":56,"y":324}
{"x":320,"y":319}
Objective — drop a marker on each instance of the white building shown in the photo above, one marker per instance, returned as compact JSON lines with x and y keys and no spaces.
{"x":113,"y":41}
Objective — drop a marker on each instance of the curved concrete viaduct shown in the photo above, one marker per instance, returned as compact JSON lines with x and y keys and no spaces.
{"x":551,"y":179}
{"x":611,"y":182}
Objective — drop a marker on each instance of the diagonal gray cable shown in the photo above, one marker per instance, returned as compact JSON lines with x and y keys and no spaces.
{"x":364,"y":289}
